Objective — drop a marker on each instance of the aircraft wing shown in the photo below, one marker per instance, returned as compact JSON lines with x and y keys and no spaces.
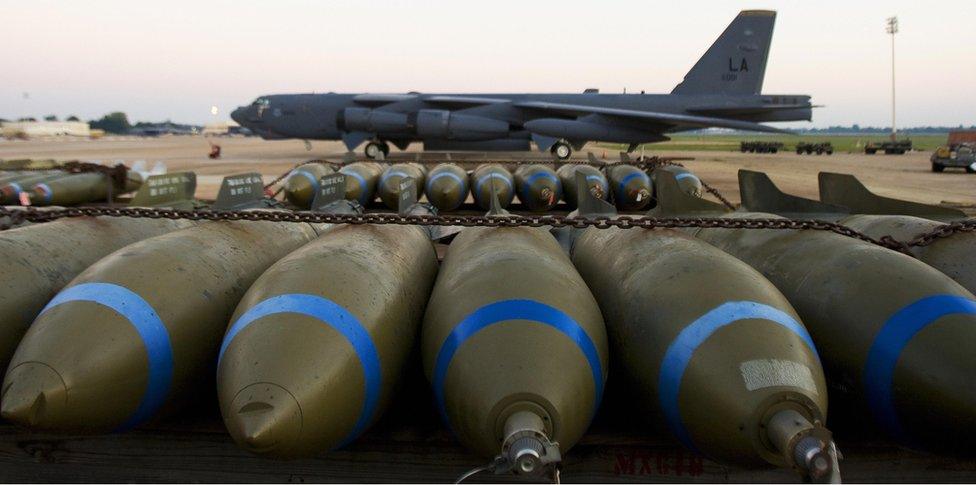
{"x":692,"y":121}
{"x":464,"y":101}
{"x":747,"y":110}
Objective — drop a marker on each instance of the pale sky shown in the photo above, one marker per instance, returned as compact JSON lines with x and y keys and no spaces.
{"x":174,"y":58}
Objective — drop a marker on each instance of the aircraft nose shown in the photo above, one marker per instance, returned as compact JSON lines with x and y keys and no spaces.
{"x":239,"y":115}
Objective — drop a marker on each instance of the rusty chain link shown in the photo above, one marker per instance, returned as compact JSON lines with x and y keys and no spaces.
{"x":941,"y":232}
{"x":16,"y":216}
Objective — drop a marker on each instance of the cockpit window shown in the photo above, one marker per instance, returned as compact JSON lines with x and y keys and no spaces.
{"x":262,"y":102}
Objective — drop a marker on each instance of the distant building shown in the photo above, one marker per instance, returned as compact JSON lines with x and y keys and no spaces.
{"x":29,"y":129}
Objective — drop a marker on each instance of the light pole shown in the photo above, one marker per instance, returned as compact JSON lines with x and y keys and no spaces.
{"x":892,"y":28}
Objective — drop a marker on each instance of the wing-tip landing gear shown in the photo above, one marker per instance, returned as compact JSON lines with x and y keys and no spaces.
{"x":561,"y":150}
{"x":374,"y":150}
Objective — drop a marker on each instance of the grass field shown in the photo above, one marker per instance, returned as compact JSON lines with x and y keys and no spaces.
{"x":725,"y":143}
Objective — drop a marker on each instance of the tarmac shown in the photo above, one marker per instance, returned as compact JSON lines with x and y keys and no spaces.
{"x":903,"y":176}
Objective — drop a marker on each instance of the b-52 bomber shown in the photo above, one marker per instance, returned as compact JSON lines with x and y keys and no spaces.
{"x":723,"y":89}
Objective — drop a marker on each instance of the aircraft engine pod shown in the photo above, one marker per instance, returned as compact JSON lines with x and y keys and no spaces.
{"x":721,"y":368}
{"x":538,"y":187}
{"x":303,"y":183}
{"x":389,"y":184}
{"x":595,"y":181}
{"x":955,"y":256}
{"x":631,"y":187}
{"x":490,"y":177}
{"x":77,"y":189}
{"x":40,"y":259}
{"x":894,"y":331}
{"x":361,"y":179}
{"x":688,"y":182}
{"x":308,"y":363}
{"x":514,"y":346}
{"x":136,"y":333}
{"x":447,"y":186}
{"x":443,"y":124}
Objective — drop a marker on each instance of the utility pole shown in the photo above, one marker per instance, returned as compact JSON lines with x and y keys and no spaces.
{"x":892,"y":29}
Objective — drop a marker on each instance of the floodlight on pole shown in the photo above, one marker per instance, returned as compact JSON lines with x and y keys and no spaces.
{"x":892,"y":29}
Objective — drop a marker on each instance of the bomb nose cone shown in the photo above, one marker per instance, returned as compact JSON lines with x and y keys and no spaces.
{"x":266,"y":419}
{"x":34,"y":395}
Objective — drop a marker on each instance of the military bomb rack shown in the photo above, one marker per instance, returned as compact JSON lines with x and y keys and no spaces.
{"x":422,"y":343}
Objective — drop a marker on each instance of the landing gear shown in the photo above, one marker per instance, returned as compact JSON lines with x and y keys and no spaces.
{"x":561,"y":150}
{"x":374,"y":149}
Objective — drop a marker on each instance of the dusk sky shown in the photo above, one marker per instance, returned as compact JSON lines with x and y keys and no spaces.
{"x":175,"y":59}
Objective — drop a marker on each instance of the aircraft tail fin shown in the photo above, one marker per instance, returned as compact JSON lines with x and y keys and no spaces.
{"x":736,"y":62}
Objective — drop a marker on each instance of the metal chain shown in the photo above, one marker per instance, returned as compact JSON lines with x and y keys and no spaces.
{"x":941,"y":232}
{"x":622,"y":222}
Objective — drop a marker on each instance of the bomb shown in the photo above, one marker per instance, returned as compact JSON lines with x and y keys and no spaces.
{"x":10,"y":192}
{"x":40,"y":259}
{"x":303,"y":182}
{"x":688,"y":182}
{"x":955,"y":256}
{"x":80,"y":188}
{"x":136,"y":333}
{"x":631,"y":187}
{"x":389,"y":183}
{"x":721,"y":369}
{"x":538,"y":187}
{"x":514,"y":346}
{"x":361,"y":179}
{"x":492,"y":177}
{"x":447,"y":186}
{"x":893,"y":333}
{"x":596,"y":182}
{"x":308,"y":362}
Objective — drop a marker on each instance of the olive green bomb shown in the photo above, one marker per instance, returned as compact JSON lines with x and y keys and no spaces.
{"x":538,"y":187}
{"x":892,"y":332}
{"x":319,"y":342}
{"x":514,"y":346}
{"x":447,"y":186}
{"x":596,"y":182}
{"x":492,"y":178}
{"x":389,"y":183}
{"x":303,"y":182}
{"x":135,"y":334}
{"x":719,"y":369}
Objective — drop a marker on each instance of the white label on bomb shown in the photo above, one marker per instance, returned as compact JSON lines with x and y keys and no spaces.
{"x":763,"y":373}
